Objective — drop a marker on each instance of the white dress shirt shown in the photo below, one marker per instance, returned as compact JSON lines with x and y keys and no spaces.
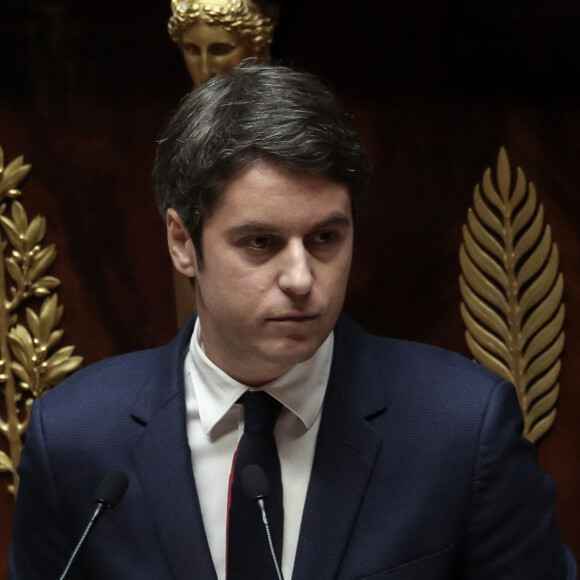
{"x":215,"y":426}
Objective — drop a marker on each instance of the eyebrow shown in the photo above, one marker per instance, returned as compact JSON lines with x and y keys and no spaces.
{"x":258,"y":227}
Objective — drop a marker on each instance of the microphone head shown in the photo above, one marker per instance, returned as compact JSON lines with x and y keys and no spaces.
{"x":254,"y":482}
{"x":112,"y":488}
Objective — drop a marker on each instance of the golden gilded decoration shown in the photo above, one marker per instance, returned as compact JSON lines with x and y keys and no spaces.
{"x":30,"y":360}
{"x":242,"y":18}
{"x":512,"y":292}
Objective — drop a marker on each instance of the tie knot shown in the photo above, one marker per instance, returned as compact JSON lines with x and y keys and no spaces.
{"x":260,"y":412}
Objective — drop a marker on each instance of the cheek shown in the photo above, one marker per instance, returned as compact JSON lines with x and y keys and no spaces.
{"x":333,"y":279}
{"x":226,"y":63}
{"x":238,"y":290}
{"x":190,"y":59}
{"x":248,"y":51}
{"x":339,"y":267}
{"x":254,"y":287}
{"x":191,"y":63}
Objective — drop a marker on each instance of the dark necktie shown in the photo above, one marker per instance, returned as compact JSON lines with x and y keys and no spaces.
{"x":248,"y":555}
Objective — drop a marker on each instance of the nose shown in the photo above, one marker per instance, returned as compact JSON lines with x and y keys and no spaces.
{"x":205,"y":74}
{"x":296,"y":273}
{"x":205,"y":65}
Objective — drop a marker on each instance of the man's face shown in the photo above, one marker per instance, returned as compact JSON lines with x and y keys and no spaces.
{"x":276,"y":257}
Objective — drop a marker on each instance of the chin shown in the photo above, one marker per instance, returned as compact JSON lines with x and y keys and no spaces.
{"x":291,"y":352}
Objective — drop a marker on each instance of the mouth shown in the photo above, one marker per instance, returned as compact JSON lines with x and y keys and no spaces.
{"x":294,"y":319}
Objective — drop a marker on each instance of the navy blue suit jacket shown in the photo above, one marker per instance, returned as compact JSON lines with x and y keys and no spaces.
{"x":419,"y":474}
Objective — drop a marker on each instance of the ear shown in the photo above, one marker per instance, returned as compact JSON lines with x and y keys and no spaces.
{"x":180,"y":244}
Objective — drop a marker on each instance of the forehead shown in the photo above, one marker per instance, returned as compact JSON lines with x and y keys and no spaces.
{"x":203,"y":33}
{"x":286,"y":199}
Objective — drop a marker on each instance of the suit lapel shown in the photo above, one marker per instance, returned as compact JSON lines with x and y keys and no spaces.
{"x":346,"y":451}
{"x":163,"y":464}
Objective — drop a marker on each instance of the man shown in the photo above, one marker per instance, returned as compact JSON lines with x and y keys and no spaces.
{"x":397,"y":460}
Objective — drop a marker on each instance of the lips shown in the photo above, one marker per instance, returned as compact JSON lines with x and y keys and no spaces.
{"x":294,"y":318}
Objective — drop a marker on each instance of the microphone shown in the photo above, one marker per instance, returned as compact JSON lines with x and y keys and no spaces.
{"x":256,"y":487}
{"x":111,"y":490}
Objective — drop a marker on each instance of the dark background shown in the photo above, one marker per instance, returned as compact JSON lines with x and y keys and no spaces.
{"x":436,"y":86}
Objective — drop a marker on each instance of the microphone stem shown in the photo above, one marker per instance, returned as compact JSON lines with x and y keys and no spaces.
{"x":95,"y":517}
{"x":262,"y":509}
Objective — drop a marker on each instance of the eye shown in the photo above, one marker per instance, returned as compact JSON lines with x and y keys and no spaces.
{"x":324,"y":242}
{"x":192,"y":49}
{"x":324,"y":237}
{"x":221,"y":49}
{"x":259,"y":242}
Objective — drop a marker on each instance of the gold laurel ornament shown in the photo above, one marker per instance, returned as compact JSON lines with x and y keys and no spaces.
{"x":512,"y":292}
{"x":30,"y":360}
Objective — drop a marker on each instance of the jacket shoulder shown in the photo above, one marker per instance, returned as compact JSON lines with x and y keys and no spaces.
{"x":115,"y":374}
{"x":410,"y":363}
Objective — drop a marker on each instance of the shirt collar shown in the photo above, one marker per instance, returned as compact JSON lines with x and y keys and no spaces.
{"x":301,"y":389}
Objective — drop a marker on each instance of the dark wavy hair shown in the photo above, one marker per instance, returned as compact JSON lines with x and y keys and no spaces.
{"x":260,"y":112}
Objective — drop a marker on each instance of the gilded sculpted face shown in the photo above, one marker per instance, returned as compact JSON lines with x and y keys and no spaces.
{"x":216,"y":35}
{"x":210,"y":51}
